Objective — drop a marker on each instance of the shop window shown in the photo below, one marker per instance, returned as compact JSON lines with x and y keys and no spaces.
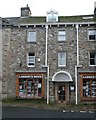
{"x":31,"y":36}
{"x":92,"y":34}
{"x":61,"y":59}
{"x":31,"y":60}
{"x":61,"y":35}
{"x":31,"y":88}
{"x":88,"y":87}
{"x":92,"y":58}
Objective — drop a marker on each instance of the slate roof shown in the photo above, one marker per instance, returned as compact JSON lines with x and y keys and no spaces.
{"x":42,"y":19}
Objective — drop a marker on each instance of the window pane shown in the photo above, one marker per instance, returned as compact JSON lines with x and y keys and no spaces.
{"x":92,"y":62}
{"x":86,"y":89}
{"x":31,"y":59}
{"x":31,"y":36}
{"x":30,"y":88}
{"x":93,"y":88}
{"x":89,"y":88}
{"x":92,"y":37}
{"x":92,"y":55}
{"x":61,"y":35}
{"x":93,"y":58}
{"x":61,"y":59}
{"x":52,"y":16}
{"x":92,"y":34}
{"x":61,"y":32}
{"x":31,"y":54}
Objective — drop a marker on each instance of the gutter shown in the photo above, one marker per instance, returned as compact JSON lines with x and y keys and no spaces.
{"x":58,"y":23}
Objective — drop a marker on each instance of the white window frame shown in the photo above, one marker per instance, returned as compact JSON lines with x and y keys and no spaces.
{"x":61,"y":59}
{"x":94,"y":31}
{"x":92,"y":58}
{"x":31,"y":36}
{"x":51,"y":15}
{"x":60,"y":35}
{"x":31,"y":59}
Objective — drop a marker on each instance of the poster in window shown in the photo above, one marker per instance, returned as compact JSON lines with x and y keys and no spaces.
{"x":39,"y":85}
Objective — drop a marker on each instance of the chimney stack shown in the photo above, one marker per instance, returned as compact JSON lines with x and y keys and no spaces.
{"x":95,"y":10}
{"x":25,"y":11}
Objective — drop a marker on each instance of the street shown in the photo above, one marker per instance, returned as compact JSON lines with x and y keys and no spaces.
{"x":20,"y":112}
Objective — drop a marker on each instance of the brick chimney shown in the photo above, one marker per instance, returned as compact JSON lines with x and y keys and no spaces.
{"x":95,"y":10}
{"x":25,"y":11}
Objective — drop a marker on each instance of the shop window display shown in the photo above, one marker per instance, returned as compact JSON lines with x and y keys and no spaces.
{"x":30,"y":88}
{"x":89,"y":88}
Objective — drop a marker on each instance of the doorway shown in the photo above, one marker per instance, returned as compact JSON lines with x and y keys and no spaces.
{"x":61,"y":93}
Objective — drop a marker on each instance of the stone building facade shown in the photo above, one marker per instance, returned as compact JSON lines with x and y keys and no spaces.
{"x":51,"y":57}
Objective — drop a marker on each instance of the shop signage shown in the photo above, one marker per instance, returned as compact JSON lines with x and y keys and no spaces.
{"x":89,"y":76}
{"x":31,"y":76}
{"x":72,"y":87}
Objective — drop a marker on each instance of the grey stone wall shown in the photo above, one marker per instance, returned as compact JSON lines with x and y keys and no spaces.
{"x":0,"y":48}
{"x":16,"y":47}
{"x":5,"y":60}
{"x":85,"y":47}
{"x":69,"y":46}
{"x":0,"y":60}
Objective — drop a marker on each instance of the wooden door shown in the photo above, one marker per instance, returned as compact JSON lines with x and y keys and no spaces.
{"x":61,"y":93}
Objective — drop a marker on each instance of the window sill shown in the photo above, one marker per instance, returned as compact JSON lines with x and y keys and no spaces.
{"x":31,"y":42}
{"x":92,"y":65}
{"x":92,"y":40}
{"x":61,"y":66}
{"x":88,"y":99}
{"x":30,"y":66}
{"x":61,"y":41}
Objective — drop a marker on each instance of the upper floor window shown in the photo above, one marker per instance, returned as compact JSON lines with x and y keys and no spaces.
{"x":92,"y":57}
{"x":31,"y":36}
{"x":61,"y":35}
{"x":92,"y":34}
{"x":52,"y":16}
{"x":31,"y":60}
{"x":61,"y":59}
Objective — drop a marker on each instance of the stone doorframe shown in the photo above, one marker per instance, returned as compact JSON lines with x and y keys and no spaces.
{"x":63,"y":78}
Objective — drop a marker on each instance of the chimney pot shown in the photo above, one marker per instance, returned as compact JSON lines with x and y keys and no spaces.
{"x":25,"y":11}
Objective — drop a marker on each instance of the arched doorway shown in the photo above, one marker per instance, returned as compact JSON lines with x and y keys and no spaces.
{"x":61,"y":81}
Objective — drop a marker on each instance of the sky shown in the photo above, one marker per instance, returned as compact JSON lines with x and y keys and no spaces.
{"x":11,"y":8}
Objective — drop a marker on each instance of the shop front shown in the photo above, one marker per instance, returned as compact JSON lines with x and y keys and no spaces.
{"x":30,"y":84}
{"x":88,"y":86}
{"x":61,"y":82}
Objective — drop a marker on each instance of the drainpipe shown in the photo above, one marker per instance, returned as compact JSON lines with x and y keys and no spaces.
{"x":46,"y":64}
{"x":76,"y":85}
{"x":47,"y":84}
{"x":76,"y":68}
{"x":46,"y":45}
{"x":77,"y":45}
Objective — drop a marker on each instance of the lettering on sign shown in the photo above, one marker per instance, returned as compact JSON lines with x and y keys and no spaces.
{"x":25,"y":76}
{"x":89,"y":76}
